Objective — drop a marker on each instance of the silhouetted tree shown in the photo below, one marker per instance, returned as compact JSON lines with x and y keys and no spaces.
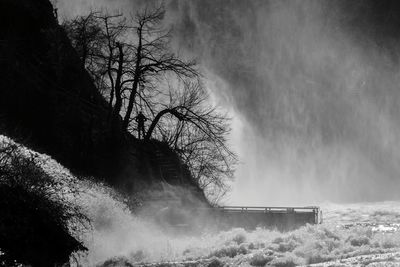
{"x":117,"y":58}
{"x":99,"y":40}
{"x":197,"y":131}
{"x":87,"y":38}
{"x":142,"y":73}
{"x":127,"y":61}
{"x":153,"y":56}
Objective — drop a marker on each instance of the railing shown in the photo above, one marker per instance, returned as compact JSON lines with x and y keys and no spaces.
{"x":316,"y":211}
{"x":269,"y":209}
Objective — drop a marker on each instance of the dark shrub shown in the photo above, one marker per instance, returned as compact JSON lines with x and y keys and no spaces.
{"x":359,"y":241}
{"x":35,"y":219}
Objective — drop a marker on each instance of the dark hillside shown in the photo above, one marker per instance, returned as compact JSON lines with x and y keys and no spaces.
{"x":48,"y":102}
{"x":47,"y":98}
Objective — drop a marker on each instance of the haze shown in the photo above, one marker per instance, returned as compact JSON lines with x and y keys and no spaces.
{"x":312,"y":87}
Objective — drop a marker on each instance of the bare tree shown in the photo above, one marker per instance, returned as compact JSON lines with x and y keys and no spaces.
{"x":153,"y":55}
{"x":126,"y":62}
{"x":141,"y":72}
{"x":197,"y":131}
{"x":116,"y":58}
{"x":100,"y":40}
{"x":86,"y":36}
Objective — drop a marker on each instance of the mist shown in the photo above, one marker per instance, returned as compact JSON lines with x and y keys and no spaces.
{"x":312,"y":87}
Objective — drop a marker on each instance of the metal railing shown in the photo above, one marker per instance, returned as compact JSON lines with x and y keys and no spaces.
{"x":269,"y":209}
{"x":316,"y":211}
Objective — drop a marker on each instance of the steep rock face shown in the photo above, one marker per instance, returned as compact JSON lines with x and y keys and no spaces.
{"x":48,"y":102}
{"x":47,"y":99}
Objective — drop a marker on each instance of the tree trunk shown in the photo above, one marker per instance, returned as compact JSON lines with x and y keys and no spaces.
{"x":111,"y":79}
{"x":154,"y":123}
{"x":118,"y":96}
{"x":135,"y":84}
{"x":132,"y":97}
{"x":128,"y":113}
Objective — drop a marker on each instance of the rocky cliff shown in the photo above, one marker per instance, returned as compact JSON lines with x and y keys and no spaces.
{"x":49,"y":103}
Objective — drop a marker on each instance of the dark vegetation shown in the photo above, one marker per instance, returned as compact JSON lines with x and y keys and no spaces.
{"x":36,"y":219}
{"x":47,"y":100}
{"x":132,"y":62}
{"x":74,"y":92}
{"x":85,"y":117}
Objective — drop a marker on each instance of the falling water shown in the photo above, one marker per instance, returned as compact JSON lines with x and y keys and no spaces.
{"x":313,"y":89}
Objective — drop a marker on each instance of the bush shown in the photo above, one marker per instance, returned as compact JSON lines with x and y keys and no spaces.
{"x":117,"y":262}
{"x":239,"y":238}
{"x":288,"y":260}
{"x":230,"y":251}
{"x":389,"y":243}
{"x":260,"y":259}
{"x":287,"y":244}
{"x":359,"y":241}
{"x":227,"y":251}
{"x":36,"y":219}
{"x":215,"y":262}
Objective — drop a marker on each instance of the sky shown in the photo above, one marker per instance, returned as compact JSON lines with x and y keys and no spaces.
{"x":312,"y":86}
